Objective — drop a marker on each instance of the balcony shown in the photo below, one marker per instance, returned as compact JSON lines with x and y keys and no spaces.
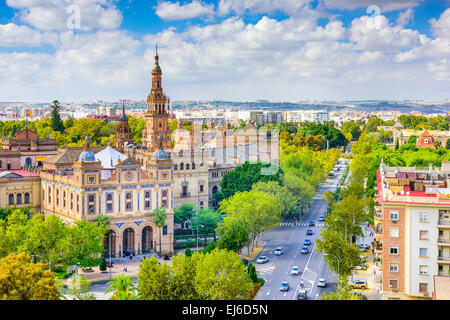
{"x":443,"y":241}
{"x":378,"y":229}
{"x":445,"y":260}
{"x":185,"y":194}
{"x":443,"y":223}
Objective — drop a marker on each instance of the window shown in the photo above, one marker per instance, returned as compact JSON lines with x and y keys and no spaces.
{"x":64,"y":199}
{"x":184,"y":191}
{"x":201,"y":188}
{"x":71,"y":202}
{"x":181,"y":166}
{"x":19,"y":198}
{"x":147,"y":200}
{"x":175,"y":166}
{"x":91,"y":179}
{"x":393,"y":232}
{"x":424,"y":217}
{"x":109,"y":203}
{"x":57,"y":197}
{"x":26,"y":198}
{"x":393,"y":267}
{"x":91,"y":203}
{"x":423,"y":234}
{"x":187,"y":166}
{"x":165,"y":230}
{"x":78,"y":203}
{"x":423,"y":287}
{"x":193,"y":166}
{"x":393,"y":284}
{"x":393,"y":215}
{"x":393,"y":250}
{"x":49,"y":195}
{"x":423,"y":252}
{"x":423,"y":270}
{"x":128,"y":201}
{"x":11,"y":199}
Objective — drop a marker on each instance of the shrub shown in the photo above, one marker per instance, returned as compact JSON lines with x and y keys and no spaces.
{"x":188,"y":252}
{"x":103,"y":264}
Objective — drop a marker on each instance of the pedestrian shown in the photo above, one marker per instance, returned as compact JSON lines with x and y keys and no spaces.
{"x":125,"y":268}
{"x":131,"y":256}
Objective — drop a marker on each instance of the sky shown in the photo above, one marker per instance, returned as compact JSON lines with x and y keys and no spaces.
{"x":239,"y":50}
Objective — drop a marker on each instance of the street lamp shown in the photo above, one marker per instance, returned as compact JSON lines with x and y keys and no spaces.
{"x":110,"y":256}
{"x":338,"y":260}
{"x":197,"y":234}
{"x":170,"y":241}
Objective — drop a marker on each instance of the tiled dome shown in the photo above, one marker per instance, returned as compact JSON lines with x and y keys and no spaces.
{"x":87,"y":156}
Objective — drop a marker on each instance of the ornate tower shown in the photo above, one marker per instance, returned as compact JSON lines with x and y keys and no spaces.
{"x":156,"y":135}
{"x":123,"y":131}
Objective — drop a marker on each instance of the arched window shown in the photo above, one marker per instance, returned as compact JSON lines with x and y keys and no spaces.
{"x":19,"y":198}
{"x":193,"y":166}
{"x":109,"y":197}
{"x":214,"y":189}
{"x":27,"y":198}
{"x":175,"y":166}
{"x":181,"y":166}
{"x":11,"y":199}
{"x":164,"y":193}
{"x":187,"y":166}
{"x":128,"y":195}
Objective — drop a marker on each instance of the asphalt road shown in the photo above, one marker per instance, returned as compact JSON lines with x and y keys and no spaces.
{"x":290,"y":237}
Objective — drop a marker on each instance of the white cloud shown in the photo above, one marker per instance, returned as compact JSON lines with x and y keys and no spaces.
{"x":376,"y":33}
{"x":441,"y":27}
{"x":174,"y":11}
{"x":291,"y":7}
{"x":405,"y":17}
{"x":55,"y":14}
{"x":12,"y":35}
{"x":385,"y":5}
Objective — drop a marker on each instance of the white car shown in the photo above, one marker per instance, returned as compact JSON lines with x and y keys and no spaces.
{"x":295,"y":270}
{"x":322,"y":283}
{"x":278,"y":251}
{"x":262,"y":259}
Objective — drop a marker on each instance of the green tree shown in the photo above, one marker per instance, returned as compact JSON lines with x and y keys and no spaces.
{"x":232,"y":233}
{"x":205,"y":221}
{"x":154,"y":280}
{"x":57,"y":124}
{"x":220,"y":275}
{"x":20,"y":279}
{"x":243,"y":177}
{"x":343,"y":292}
{"x":256,"y":210}
{"x":251,"y":270}
{"x":121,"y":283}
{"x":184,"y":212}
{"x":159,"y":217}
{"x":287,"y":199}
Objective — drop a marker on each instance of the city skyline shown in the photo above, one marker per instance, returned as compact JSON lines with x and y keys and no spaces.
{"x":226,"y":50}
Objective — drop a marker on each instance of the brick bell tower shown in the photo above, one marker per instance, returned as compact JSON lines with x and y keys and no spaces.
{"x":156,"y":135}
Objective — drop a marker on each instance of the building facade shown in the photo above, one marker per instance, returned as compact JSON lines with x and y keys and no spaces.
{"x":412,"y":228}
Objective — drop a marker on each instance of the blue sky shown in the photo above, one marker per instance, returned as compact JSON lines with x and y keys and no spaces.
{"x":290,"y":50}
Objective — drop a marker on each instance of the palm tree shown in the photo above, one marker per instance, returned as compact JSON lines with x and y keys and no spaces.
{"x":121,"y":283}
{"x":124,"y":295}
{"x":160,"y":217}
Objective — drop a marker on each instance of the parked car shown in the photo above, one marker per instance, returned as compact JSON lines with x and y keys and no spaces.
{"x":321,"y":218}
{"x":307,"y":242}
{"x":284,"y":286}
{"x":305,"y":250}
{"x":262,"y":259}
{"x":360,"y":295}
{"x":278,"y":251}
{"x":364,"y":246}
{"x":311,"y":223}
{"x":309,"y":232}
{"x":358,"y":284}
{"x":302,"y":294}
{"x":322,"y":283}
{"x":295,"y":271}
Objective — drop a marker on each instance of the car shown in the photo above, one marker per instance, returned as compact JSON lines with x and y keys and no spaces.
{"x":358,"y":284}
{"x":305,"y":250}
{"x":284,"y":286}
{"x":360,"y":295}
{"x":309,"y":232}
{"x":364,"y":246}
{"x":302,"y":294}
{"x":262,"y":259}
{"x":321,"y":218}
{"x":311,"y":223}
{"x":295,"y":271}
{"x":278,"y":251}
{"x":307,"y":242}
{"x":322,"y":283}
